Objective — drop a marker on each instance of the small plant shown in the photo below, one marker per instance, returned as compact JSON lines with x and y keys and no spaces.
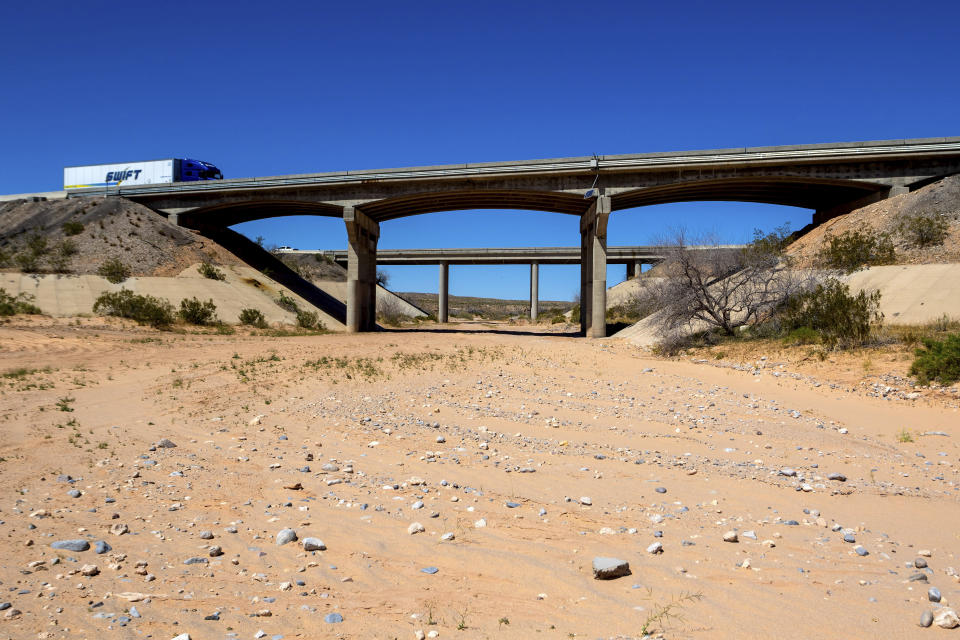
{"x":924,"y":229}
{"x":63,"y":404}
{"x":60,"y":258}
{"x":309,"y":320}
{"x":938,"y":360}
{"x":853,"y":249}
{"x":904,"y":436}
{"x":72,"y":228}
{"x":144,"y":309}
{"x":503,"y":621}
{"x":113,"y":270}
{"x":194,"y":311}
{"x":20,"y":303}
{"x":462,"y":618}
{"x":661,"y":613}
{"x":287,"y":303}
{"x":103,"y":445}
{"x":253,"y":318}
{"x":207,"y":270}
{"x":802,"y":335}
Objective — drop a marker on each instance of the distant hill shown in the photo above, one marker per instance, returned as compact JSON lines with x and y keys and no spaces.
{"x":487,"y":308}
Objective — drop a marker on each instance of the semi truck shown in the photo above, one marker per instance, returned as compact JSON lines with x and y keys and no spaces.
{"x":122,"y":174}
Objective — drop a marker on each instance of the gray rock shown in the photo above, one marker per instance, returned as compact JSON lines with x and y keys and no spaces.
{"x":196,"y":560}
{"x":933,"y":594}
{"x":215,"y":551}
{"x":849,"y":537}
{"x":206,"y":535}
{"x":839,"y":477}
{"x":609,"y":568}
{"x":286,"y":535}
{"x":71,"y":545}
{"x":333,"y":618}
{"x":787,"y":471}
{"x":926,"y":619}
{"x":920,"y":563}
{"x":861,"y":551}
{"x":73,"y":493}
{"x":166,"y":443}
{"x":313,"y":544}
{"x":101,"y":546}
{"x":656,"y":547}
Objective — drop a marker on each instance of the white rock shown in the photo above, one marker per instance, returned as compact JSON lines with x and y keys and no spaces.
{"x":415,"y":527}
{"x":946,"y":618}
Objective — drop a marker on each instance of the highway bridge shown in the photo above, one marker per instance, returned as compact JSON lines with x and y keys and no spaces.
{"x":830,"y":179}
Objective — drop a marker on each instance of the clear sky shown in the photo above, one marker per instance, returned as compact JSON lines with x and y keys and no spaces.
{"x":263,"y":88}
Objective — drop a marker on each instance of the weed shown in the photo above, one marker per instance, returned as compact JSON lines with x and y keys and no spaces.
{"x":20,"y":303}
{"x":309,"y":320}
{"x":904,"y":436}
{"x":253,"y":317}
{"x":287,"y":303}
{"x":144,"y":309}
{"x":113,"y":270}
{"x":63,"y":404}
{"x":503,"y":621}
{"x":853,"y":249}
{"x":661,"y":613}
{"x":193,"y":311}
{"x":925,"y":229}
{"x":72,"y":228}
{"x":938,"y":360}
{"x":207,"y":270}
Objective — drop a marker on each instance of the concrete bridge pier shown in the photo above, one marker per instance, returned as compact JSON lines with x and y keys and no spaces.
{"x":634,"y":269}
{"x":442,"y":304}
{"x":593,"y":268}
{"x":362,"y":236}
{"x":534,"y":291}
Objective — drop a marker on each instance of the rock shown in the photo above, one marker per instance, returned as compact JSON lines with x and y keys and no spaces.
{"x":118,"y":529}
{"x":752,"y":535}
{"x":293,"y":486}
{"x":926,"y":619}
{"x":166,"y":443}
{"x":512,"y":505}
{"x":920,"y":563}
{"x":313,"y":544}
{"x":441,"y":439}
{"x":330,"y":467}
{"x":183,"y":636}
{"x":71,"y":545}
{"x":206,"y":535}
{"x":609,"y":568}
{"x":196,"y":560}
{"x":89,"y":570}
{"x":333,"y":618}
{"x":12,"y":613}
{"x":946,"y":619}
{"x":429,"y":570}
{"x":215,"y":551}
{"x":839,"y":477}
{"x":73,"y":493}
{"x":933,"y":594}
{"x":655,"y":548}
{"x":660,"y":490}
{"x":286,"y":535}
{"x":447,"y":537}
{"x":415,"y":527}
{"x":861,"y":551}
{"x":731,"y":536}
{"x":586,"y":500}
{"x":101,"y":546}
{"x":788,"y":472}
{"x":849,"y":537}
{"x":479,"y":524}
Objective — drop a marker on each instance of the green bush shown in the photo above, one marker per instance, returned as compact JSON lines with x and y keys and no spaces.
{"x":309,"y":320}
{"x":113,"y":270}
{"x":60,"y":258}
{"x":853,"y":249}
{"x":575,"y":315}
{"x":72,"y":228}
{"x":27,"y":261}
{"x":938,"y":361}
{"x":924,"y":229}
{"x":194,"y":311}
{"x":839,"y":318}
{"x":802,"y":335}
{"x":253,"y":318}
{"x":207,"y":270}
{"x":144,"y":309}
{"x":21,"y":303}
{"x":287,"y":303}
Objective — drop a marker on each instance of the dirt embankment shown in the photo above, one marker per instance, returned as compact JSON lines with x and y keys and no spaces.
{"x":941,"y":198}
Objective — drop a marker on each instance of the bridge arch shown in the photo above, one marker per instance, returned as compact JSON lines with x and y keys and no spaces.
{"x":467,"y":200}
{"x":233,"y":213}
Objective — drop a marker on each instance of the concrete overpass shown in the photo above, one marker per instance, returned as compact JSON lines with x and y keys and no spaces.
{"x":633,"y":257}
{"x":829,"y":179}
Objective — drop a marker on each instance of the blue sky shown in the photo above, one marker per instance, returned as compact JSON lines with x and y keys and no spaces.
{"x":269,"y":89}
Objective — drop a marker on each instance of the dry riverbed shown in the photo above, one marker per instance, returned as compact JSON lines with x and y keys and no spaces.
{"x":461,"y":484}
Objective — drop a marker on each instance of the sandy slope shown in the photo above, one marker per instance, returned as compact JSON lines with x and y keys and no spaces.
{"x":592,"y":419}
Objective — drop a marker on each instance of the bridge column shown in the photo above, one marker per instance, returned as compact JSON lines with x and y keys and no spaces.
{"x":534,"y":291}
{"x":362,"y":235}
{"x":442,"y":306}
{"x":593,"y":268}
{"x":634,"y":269}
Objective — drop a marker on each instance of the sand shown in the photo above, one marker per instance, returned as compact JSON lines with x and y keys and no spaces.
{"x":528,"y":417}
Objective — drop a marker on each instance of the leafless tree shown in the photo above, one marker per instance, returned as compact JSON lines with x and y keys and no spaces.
{"x":710,"y":286}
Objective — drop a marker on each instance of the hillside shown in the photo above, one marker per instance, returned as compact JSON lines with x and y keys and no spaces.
{"x":941,"y":197}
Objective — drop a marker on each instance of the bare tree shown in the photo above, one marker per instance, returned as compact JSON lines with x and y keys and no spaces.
{"x":709,"y":286}
{"x":383,"y":278}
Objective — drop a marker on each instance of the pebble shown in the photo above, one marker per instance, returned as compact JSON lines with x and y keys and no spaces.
{"x":861,"y":551}
{"x":313,"y":544}
{"x":206,"y":535}
{"x":429,"y":570}
{"x":656,"y":547}
{"x":415,"y":527}
{"x":839,"y":477}
{"x":920,"y":563}
{"x":71,"y":545}
{"x":926,"y":619}
{"x":286,"y":535}
{"x":447,"y":537}
{"x":333,"y":618}
{"x":90,"y":570}
{"x":182,"y":636}
{"x":787,"y":471}
{"x":166,"y":443}
{"x":101,"y":546}
{"x":196,"y":560}
{"x":586,"y":500}
{"x":946,"y":619}
{"x":731,"y":536}
{"x":609,"y":568}
{"x":933,"y":594}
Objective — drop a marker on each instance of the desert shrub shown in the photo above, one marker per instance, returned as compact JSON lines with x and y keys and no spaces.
{"x":113,"y":270}
{"x":287,"y":303}
{"x":390,"y":311}
{"x":72,"y":228}
{"x":207,"y":270}
{"x":853,"y":249}
{"x":839,"y":318}
{"x":938,"y":360}
{"x":194,"y":311}
{"x":21,"y":303}
{"x":575,"y":314}
{"x":309,"y":320}
{"x":253,"y":317}
{"x":27,"y":261}
{"x":802,"y":335}
{"x":924,"y":229}
{"x":558,"y":319}
{"x":60,"y":258}
{"x":144,"y":309}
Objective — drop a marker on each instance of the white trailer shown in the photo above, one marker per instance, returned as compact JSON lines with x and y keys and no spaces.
{"x":119,"y":174}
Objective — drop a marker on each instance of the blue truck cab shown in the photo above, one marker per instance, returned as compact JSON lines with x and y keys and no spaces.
{"x":188,"y":170}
